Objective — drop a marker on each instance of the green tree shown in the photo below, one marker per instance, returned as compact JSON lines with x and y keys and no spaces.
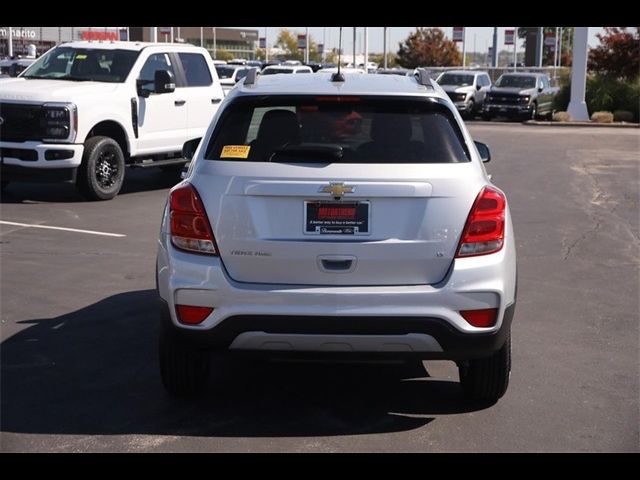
{"x":618,"y":54}
{"x":428,"y":47}
{"x":288,"y":41}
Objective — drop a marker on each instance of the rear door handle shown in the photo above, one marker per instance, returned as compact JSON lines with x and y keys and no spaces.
{"x":179,"y":103}
{"x":216,"y":100}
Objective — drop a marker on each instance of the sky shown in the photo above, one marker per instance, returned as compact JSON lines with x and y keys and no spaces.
{"x":481,"y":37}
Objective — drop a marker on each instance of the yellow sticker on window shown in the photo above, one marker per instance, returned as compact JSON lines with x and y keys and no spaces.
{"x":235,"y":151}
{"x":81,"y":57}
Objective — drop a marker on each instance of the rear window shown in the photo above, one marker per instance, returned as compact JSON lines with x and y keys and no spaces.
{"x":304,"y":129}
{"x":195,"y":69}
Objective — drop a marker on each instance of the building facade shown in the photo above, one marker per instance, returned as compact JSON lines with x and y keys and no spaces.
{"x":46,"y":37}
{"x":240,"y":43}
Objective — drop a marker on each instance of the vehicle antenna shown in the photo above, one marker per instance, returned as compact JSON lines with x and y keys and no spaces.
{"x":338,"y":77}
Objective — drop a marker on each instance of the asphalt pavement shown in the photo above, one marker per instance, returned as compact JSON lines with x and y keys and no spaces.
{"x":78,"y":327}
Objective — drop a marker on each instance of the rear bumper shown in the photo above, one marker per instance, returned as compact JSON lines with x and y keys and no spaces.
{"x":413,"y":337}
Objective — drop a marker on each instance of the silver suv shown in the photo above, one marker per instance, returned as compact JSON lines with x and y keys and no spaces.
{"x":338,"y":215}
{"x":467,"y":89}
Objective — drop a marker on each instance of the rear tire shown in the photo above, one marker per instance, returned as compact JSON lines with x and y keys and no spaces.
{"x":486,"y":117}
{"x":184,"y":368}
{"x":487,"y":379}
{"x":3,"y":184}
{"x":101,"y":172}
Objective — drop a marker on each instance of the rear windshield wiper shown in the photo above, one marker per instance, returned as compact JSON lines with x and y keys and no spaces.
{"x":308,"y":153}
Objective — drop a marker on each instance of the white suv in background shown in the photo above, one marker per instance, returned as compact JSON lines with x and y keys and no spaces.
{"x":275,"y":69}
{"x":334,"y":215}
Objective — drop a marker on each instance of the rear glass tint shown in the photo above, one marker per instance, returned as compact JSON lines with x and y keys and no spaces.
{"x":338,"y":129}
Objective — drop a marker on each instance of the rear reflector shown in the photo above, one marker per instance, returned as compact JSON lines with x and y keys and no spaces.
{"x":484,"y":231}
{"x":189,"y":225}
{"x":191,"y":315}
{"x":481,"y":318}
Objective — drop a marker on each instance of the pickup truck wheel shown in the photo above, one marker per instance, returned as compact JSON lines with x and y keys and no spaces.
{"x":471,"y":110}
{"x":184,"y":369}
{"x":487,"y":379}
{"x":101,"y":172}
{"x":534,"y":111}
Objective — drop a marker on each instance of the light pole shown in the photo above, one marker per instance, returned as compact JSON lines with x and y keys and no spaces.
{"x":354,"y":47}
{"x":306,"y":48}
{"x":153,"y":34}
{"x":10,"y":42}
{"x":384,"y":41}
{"x":215,"y":46}
{"x":494,"y":51}
{"x":266,"y":45}
{"x":515,"y":48}
{"x":577,"y":106}
{"x":366,"y":49}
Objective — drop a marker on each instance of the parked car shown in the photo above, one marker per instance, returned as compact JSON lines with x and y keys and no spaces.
{"x":231,"y":74}
{"x":467,"y":89}
{"x":275,"y":69}
{"x":85,"y":110}
{"x":387,"y":242}
{"x":525,"y":96}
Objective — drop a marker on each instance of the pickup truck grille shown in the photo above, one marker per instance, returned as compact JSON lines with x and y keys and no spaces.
{"x":506,"y":99}
{"x":20,"y":122}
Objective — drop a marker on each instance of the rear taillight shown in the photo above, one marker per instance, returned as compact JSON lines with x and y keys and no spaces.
{"x":484,"y":231}
{"x":481,"y":318}
{"x":189,"y":226}
{"x":191,"y":315}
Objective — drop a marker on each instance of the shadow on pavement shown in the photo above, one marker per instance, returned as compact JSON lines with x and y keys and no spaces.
{"x":94,"y":371}
{"x":136,"y":180}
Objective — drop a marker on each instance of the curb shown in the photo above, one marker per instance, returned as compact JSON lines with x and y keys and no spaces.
{"x":582,"y":124}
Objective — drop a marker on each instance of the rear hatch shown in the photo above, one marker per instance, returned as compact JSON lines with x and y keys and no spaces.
{"x":307,"y":191}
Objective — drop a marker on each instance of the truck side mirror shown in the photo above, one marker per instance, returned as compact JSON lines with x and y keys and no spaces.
{"x":163,"y":81}
{"x":483,"y":150}
{"x":189,"y":148}
{"x":540,"y":89}
{"x":478,"y":87}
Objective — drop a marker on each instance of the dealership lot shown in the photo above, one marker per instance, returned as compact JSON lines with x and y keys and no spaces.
{"x":79,"y":370}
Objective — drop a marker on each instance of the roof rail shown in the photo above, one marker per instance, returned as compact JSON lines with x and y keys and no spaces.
{"x":423,"y":78}
{"x":251,"y":77}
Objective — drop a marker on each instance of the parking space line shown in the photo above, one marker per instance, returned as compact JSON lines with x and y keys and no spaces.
{"x":90,"y":232}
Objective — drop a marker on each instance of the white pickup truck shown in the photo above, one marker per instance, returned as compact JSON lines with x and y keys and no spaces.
{"x":85,"y":110}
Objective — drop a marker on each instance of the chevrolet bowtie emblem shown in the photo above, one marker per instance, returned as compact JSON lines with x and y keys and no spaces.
{"x":337,"y":189}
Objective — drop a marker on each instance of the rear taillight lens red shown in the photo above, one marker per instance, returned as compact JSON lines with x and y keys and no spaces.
{"x":481,"y":318}
{"x":484,"y":231}
{"x":191,"y":315}
{"x":189,"y":226}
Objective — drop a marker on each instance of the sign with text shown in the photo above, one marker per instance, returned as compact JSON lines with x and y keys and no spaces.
{"x":165,"y":30}
{"x":458,"y":34}
{"x":550,"y":40}
{"x":302,"y":41}
{"x":321,"y":48}
{"x":508,"y":37}
{"x":263,"y":42}
{"x":98,"y":35}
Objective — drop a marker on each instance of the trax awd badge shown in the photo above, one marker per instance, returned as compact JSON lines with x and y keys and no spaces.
{"x":337,"y":189}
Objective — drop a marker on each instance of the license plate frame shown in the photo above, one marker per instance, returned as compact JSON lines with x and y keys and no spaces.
{"x":315,"y":225}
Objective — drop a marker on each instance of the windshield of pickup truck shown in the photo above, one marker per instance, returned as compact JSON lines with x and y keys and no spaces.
{"x":517,"y":81}
{"x":83,"y":64}
{"x":456,"y":79}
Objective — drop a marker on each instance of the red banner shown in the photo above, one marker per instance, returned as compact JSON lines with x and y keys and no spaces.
{"x":98,"y":35}
{"x":508,"y":37}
